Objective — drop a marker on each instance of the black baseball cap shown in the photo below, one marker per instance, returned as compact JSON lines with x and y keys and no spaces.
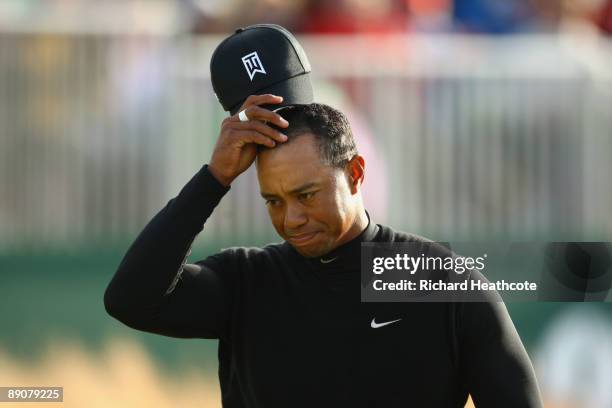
{"x":260,"y":59}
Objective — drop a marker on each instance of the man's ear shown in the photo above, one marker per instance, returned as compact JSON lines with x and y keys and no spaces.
{"x":356,"y":172}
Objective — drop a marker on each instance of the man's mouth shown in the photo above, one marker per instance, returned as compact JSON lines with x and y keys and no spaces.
{"x":301,"y":239}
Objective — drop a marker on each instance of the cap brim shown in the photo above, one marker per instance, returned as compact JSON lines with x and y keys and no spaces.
{"x":296,"y":90}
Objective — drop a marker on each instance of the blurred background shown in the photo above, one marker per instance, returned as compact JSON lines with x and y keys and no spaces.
{"x":478,"y":119}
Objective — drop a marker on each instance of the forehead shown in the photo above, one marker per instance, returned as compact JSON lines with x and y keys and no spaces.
{"x":292,"y":163}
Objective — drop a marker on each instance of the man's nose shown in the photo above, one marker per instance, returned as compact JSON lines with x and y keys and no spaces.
{"x":295,"y":217}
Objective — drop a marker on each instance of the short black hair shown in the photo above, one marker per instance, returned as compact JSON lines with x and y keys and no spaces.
{"x":330,"y":127}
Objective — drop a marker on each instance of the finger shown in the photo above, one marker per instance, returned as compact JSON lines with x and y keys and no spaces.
{"x":251,"y":136}
{"x":265,"y":115}
{"x":261,"y":100}
{"x":256,"y":113}
{"x":261,"y":128}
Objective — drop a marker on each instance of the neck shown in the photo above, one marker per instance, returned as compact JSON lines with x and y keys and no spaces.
{"x":359,"y":225}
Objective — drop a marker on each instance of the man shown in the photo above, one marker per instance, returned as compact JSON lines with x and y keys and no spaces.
{"x":291,"y":327}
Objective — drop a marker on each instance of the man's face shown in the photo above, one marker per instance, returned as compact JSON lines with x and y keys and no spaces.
{"x":311,"y":205}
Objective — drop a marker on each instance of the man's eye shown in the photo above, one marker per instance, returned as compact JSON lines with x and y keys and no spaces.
{"x":307,"y":196}
{"x":272,"y":202}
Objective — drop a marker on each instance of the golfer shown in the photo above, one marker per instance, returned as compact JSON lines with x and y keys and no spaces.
{"x":291,"y":327}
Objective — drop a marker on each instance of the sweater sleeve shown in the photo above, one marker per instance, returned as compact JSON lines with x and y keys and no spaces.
{"x":496,"y":367}
{"x":154,"y":290}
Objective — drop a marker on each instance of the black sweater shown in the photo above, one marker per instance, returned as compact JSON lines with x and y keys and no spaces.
{"x":293,"y":332}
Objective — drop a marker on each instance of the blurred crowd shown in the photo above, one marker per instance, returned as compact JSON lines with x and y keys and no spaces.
{"x":319,"y":16}
{"x":397,"y":16}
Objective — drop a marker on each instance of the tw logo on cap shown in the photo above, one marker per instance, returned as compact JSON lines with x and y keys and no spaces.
{"x":253,"y":64}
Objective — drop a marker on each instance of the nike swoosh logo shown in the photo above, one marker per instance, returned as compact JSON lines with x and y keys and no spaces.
{"x":375,"y":325}
{"x":326,"y":261}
